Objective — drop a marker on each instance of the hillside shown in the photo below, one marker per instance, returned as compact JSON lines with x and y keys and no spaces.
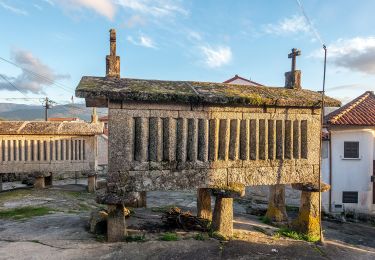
{"x":11,"y":111}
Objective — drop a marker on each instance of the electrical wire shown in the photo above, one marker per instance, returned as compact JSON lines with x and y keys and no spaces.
{"x":316,"y":33}
{"x":11,"y":84}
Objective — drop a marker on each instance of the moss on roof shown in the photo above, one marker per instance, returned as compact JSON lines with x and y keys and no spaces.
{"x":49,"y":128}
{"x":197,"y":92}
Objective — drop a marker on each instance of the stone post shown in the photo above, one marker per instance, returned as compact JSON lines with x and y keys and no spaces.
{"x":222,"y":219}
{"x":204,"y":204}
{"x":91,"y":183}
{"x":39,"y":182}
{"x":276,"y":205}
{"x":308,"y":220}
{"x":116,"y":226}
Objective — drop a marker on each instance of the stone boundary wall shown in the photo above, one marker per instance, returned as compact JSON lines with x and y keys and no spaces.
{"x":174,"y":147}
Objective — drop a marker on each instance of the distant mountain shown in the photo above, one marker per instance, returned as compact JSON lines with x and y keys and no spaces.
{"x":10,"y":111}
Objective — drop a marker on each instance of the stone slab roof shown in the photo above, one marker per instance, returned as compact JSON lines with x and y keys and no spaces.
{"x":49,"y":128}
{"x":197,"y":92}
{"x":358,"y":112}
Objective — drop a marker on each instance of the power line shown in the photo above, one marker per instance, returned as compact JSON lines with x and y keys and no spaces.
{"x":10,"y":83}
{"x":39,"y":76}
{"x":317,"y":35}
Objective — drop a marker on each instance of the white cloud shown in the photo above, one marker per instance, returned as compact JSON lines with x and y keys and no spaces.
{"x":216,"y":57}
{"x":13,"y":9}
{"x":26,"y":81}
{"x":142,"y":40}
{"x":38,"y":7}
{"x":291,"y":25}
{"x":193,"y":35}
{"x":106,"y":8}
{"x":134,"y":21}
{"x":155,"y":8}
{"x":357,"y":54}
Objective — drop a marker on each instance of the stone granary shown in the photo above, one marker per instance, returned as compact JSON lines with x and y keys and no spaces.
{"x":48,"y":149}
{"x":214,"y":137}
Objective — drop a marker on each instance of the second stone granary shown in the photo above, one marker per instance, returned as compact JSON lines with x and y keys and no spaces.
{"x":182,"y":135}
{"x":48,"y":148}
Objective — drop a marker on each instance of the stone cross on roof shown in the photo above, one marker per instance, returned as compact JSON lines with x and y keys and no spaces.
{"x":293,"y":55}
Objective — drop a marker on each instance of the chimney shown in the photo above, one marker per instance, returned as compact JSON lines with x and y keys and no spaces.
{"x":293,"y":77}
{"x":112,"y":61}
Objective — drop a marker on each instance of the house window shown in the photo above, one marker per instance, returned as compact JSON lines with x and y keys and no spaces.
{"x":350,"y":197}
{"x":351,"y":149}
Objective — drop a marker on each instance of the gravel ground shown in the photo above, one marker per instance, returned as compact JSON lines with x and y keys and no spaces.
{"x":63,"y":234}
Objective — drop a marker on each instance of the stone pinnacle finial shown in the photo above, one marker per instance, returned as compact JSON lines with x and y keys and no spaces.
{"x":112,"y":61}
{"x":94,"y":116}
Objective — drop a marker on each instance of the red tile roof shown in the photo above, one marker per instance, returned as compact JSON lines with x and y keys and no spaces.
{"x":247,"y":80}
{"x":103,"y":118}
{"x":359,"y":112}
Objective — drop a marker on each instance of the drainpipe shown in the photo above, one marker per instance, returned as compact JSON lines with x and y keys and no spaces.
{"x":330,"y":170}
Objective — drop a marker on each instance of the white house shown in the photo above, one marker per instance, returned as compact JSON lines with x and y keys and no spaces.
{"x":348,"y":156}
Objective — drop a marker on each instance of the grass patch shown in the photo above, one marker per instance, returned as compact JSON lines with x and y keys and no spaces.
{"x":135,"y":238}
{"x":83,"y":207}
{"x":14,"y":194}
{"x":200,"y":237}
{"x":25,"y":212}
{"x":217,"y":235}
{"x":292,"y":208}
{"x":265,"y":220}
{"x":169,"y":237}
{"x":295,"y":235}
{"x":162,"y":209}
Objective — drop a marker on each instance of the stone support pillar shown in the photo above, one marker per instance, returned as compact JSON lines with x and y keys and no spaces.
{"x":222,"y":220}
{"x":116,"y":226}
{"x":204,"y":204}
{"x":276,"y":205}
{"x":308,"y":220}
{"x":39,"y":182}
{"x":91,"y":183}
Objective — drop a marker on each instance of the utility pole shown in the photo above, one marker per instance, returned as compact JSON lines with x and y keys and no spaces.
{"x":47,"y":105}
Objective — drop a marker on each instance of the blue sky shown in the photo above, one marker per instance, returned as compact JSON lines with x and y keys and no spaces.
{"x":209,"y":40}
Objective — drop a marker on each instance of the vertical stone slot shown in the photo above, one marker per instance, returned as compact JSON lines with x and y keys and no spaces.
{"x":202,"y":140}
{"x":223,"y":140}
{"x":213,"y":140}
{"x":84,"y":149}
{"x":9,"y":150}
{"x":62,"y":150}
{"x":244,"y":140}
{"x":38,"y":146}
{"x":71,"y":150}
{"x":296,"y":144}
{"x":234,"y":139}
{"x":181,"y":132}
{"x":14,"y":150}
{"x":279,"y":139}
{"x":51,"y":150}
{"x":253,"y":139}
{"x":140,"y":139}
{"x":45,"y":150}
{"x":304,"y":139}
{"x":192,"y":140}
{"x":2,"y":150}
{"x":20,"y":149}
{"x":271,"y":139}
{"x":155,"y":149}
{"x":67,"y":148}
{"x":262,"y":139}
{"x":288,"y":140}
{"x":169,"y":138}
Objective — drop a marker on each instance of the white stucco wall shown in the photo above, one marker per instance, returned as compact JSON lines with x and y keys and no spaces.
{"x":351,"y":174}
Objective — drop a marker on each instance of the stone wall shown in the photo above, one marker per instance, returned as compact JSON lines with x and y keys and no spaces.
{"x":179,"y":147}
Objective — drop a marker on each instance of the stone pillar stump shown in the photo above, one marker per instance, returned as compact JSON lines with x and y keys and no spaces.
{"x":222,"y":219}
{"x":276,"y":205}
{"x":116,"y":226}
{"x":204,"y":204}
{"x":91,"y":183}
{"x":308,"y":220}
{"x":39,"y":182}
